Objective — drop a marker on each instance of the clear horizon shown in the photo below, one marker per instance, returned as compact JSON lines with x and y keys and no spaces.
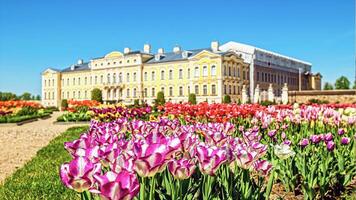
{"x":41,"y":34}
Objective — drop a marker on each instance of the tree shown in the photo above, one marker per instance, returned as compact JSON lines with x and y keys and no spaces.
{"x":354,"y":87}
{"x":38,"y":97}
{"x":64,"y":104}
{"x":160,"y":99}
{"x":97,"y":95}
{"x":227,"y":99}
{"x":342,"y":83}
{"x":192,"y":98}
{"x":6,"y":96}
{"x":328,"y":86}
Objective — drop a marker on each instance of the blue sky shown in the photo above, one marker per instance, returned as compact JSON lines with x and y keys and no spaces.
{"x":38,"y":34}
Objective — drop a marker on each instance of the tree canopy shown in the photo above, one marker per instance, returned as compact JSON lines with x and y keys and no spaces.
{"x":342,"y":83}
{"x":328,"y":86}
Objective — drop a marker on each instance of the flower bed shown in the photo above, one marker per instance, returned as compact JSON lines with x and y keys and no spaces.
{"x":308,"y":150}
{"x":19,"y":111}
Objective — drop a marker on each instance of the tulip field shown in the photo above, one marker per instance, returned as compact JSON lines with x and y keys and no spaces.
{"x":215,"y":151}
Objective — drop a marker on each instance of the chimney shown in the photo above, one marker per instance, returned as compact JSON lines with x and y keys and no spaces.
{"x":80,"y":61}
{"x":127,"y":50}
{"x":160,"y":51}
{"x":147,"y":48}
{"x":176,"y":49}
{"x":214,"y":46}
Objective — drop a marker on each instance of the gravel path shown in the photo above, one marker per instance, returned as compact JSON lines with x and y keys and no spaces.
{"x":18,"y":144}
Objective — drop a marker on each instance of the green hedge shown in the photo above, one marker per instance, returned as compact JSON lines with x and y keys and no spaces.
{"x":74,"y":117}
{"x":17,"y":118}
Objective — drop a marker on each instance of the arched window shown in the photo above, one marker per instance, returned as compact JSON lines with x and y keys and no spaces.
{"x":120,"y":77}
{"x":114,"y":78}
{"x":153,"y":75}
{"x":170,"y":74}
{"x":108,"y":78}
{"x":162,"y":75}
{"x":196,"y":72}
{"x":213,"y":89}
{"x":197,"y":89}
{"x":205,"y":71}
{"x":213,"y":70}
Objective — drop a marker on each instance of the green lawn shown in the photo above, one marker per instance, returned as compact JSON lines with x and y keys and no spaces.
{"x":39,"y":178}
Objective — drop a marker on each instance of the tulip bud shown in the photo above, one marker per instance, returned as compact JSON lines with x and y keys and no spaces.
{"x":328,"y":137}
{"x":345,"y":140}
{"x":341,"y":131}
{"x":330,"y":145}
{"x":304,"y":142}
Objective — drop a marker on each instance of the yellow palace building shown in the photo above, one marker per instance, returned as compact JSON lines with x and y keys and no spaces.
{"x":125,"y":76}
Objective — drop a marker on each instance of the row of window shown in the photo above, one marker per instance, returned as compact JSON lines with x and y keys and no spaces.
{"x":276,"y":78}
{"x":49,"y":96}
{"x":114,"y":63}
{"x":48,"y":82}
{"x":235,"y":72}
{"x":231,"y":90}
{"x":75,"y":95}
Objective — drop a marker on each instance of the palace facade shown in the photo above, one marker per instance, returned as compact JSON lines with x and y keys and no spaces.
{"x":210,"y":73}
{"x":124,"y":77}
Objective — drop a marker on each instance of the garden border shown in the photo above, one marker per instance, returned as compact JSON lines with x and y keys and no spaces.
{"x":74,"y":123}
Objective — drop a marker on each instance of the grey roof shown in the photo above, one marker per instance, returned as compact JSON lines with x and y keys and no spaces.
{"x":54,"y":69}
{"x":171,"y":56}
{"x":77,"y":67}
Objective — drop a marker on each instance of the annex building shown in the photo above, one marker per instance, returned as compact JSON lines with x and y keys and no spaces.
{"x":210,"y":73}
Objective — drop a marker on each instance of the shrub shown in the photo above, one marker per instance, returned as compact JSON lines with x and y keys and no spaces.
{"x":136,"y":102}
{"x":317,"y":101}
{"x":27,"y":110}
{"x":227,"y":99}
{"x":64,"y":104}
{"x":160,"y":99}
{"x":192,"y":98}
{"x":267,"y":103}
{"x":97,"y":95}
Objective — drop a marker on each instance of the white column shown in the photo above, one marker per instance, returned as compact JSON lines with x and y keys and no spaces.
{"x":257,"y":94}
{"x":244,"y":96}
{"x":285,"y":94}
{"x":270,"y":93}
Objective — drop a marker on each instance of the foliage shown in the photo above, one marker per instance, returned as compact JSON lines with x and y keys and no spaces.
{"x":192,"y":98}
{"x":354,"y":87}
{"x":38,"y":179}
{"x":160,"y":100}
{"x":26,"y":96}
{"x":267,"y":103}
{"x":97,"y":95}
{"x":7,"y":96}
{"x":27,"y":110}
{"x":136,"y":102}
{"x":64,"y":104}
{"x":74,"y":117}
{"x":328,"y":86}
{"x":342,"y":83}
{"x":317,"y":101}
{"x":227,"y":99}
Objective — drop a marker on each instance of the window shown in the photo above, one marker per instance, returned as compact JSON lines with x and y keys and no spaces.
{"x":162,"y":89}
{"x":196,"y":72}
{"x":120,"y":92}
{"x":225,"y":89}
{"x":213,"y":70}
{"x":180,"y":73}
{"x":78,"y":81}
{"x":114,"y":78}
{"x":53,"y":82}
{"x":85,"y":95}
{"x":145,"y":92}
{"x":145,"y":76}
{"x":101,"y":79}
{"x":67,"y":95}
{"x":205,"y":90}
{"x":170,"y":91}
{"x":162,"y":75}
{"x":128,"y":93}
{"x":197,"y":89}
{"x":108,"y":78}
{"x":205,"y":71}
{"x":67,"y":81}
{"x":188,"y":74}
{"x":134,"y":92}
{"x":170,"y":74}
{"x":73,"y":81}
{"x":188,"y":90}
{"x":153,"y":76}
{"x":120,"y":77}
{"x":153,"y":92}
{"x":238,"y":72}
{"x":234,"y":90}
{"x":78,"y":94}
{"x":62,"y":95}
{"x":73,"y":94}
{"x":134,"y":76}
{"x":225,"y":70}
{"x":180,"y":91}
{"x":233,"y":71}
{"x":45,"y":83}
{"x":258,"y":76}
{"x":230,"y":92}
{"x":213,"y":89}
{"x":128,"y":77}
{"x":85,"y":80}
{"x":109,"y":94}
{"x":45,"y":95}
{"x":229,"y":70}
{"x":114,"y":94}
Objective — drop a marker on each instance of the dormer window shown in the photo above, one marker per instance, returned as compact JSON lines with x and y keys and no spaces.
{"x":186,"y":54}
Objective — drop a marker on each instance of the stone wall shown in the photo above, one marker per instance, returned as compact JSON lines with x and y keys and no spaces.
{"x":333,"y":96}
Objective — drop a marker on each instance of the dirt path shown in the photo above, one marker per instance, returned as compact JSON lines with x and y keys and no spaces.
{"x":18,"y":144}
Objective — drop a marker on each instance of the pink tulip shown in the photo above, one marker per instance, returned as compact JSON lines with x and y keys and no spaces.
{"x":330,"y":145}
{"x":78,"y":174}
{"x":117,"y":186}
{"x":262,"y":166}
{"x":304,"y":142}
{"x":182,"y":168}
{"x":328,"y":137}
{"x":210,"y":158}
{"x":341,"y":131}
{"x":243,"y":159}
{"x":345,"y":140}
